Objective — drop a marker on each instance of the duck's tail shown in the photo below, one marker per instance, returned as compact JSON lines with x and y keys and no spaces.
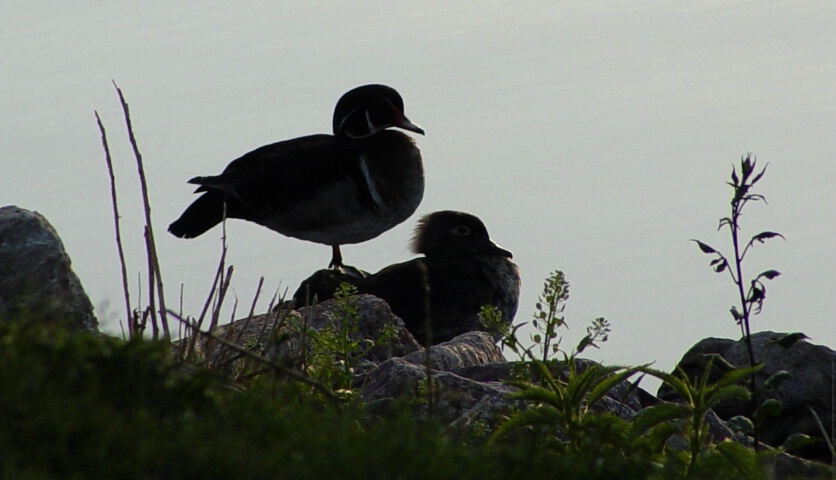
{"x":206,"y":212}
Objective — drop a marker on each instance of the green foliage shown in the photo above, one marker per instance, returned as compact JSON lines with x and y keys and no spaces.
{"x":560,"y":411}
{"x":548,"y":319}
{"x":559,"y":405}
{"x":337,"y":350}
{"x":697,"y":398}
{"x":562,"y":408}
{"x":68,"y":400}
{"x":77,"y":405}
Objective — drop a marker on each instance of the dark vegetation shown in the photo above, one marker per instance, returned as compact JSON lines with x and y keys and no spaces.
{"x":81,"y":405}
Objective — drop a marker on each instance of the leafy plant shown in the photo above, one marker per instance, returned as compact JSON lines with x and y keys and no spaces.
{"x":546,"y":323}
{"x":698,"y":396}
{"x":336,"y":350}
{"x":751,"y":292}
{"x":559,"y":403}
{"x":751,"y":298}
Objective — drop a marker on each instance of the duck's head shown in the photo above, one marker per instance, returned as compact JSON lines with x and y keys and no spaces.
{"x":453,"y":234}
{"x":369,"y":109}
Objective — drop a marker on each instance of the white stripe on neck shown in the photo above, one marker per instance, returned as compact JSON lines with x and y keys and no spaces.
{"x":364,"y":167}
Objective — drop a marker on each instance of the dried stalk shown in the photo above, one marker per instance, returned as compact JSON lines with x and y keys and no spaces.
{"x":120,"y":250}
{"x":151,"y":246}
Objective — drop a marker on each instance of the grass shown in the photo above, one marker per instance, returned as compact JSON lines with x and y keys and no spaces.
{"x":85,"y":406}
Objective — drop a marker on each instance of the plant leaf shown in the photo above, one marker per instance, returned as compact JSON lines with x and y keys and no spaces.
{"x":734,"y":375}
{"x":771,"y":407}
{"x":759,"y":175}
{"x":604,"y":386}
{"x":746,"y":167}
{"x":658,"y":436}
{"x":741,"y":424}
{"x":775,"y":380}
{"x":585,"y":342}
{"x":729,"y":392}
{"x":764,"y":236}
{"x":769,"y":274}
{"x":798,"y":440}
{"x":705,"y":248}
{"x":650,"y":417}
{"x":756,"y":293}
{"x":741,"y":459}
{"x":679,"y":384}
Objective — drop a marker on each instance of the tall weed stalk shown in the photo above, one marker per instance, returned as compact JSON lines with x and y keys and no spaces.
{"x":751,"y":292}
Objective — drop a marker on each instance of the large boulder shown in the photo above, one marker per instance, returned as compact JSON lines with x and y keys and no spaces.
{"x":809,"y":387}
{"x":285,"y":336}
{"x":37,"y":283}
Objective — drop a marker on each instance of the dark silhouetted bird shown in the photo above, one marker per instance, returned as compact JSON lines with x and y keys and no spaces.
{"x":348,"y":187}
{"x":461,"y":271}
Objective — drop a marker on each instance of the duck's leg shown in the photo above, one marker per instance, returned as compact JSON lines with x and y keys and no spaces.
{"x":337,"y":265}
{"x":336,"y":258}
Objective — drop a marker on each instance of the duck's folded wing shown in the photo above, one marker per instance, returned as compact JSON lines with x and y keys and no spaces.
{"x":289,"y":174}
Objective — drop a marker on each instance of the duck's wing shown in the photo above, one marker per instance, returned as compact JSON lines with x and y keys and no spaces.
{"x":278,"y":177}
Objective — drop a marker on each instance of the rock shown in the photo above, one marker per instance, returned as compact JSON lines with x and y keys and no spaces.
{"x":467,"y":350}
{"x":281,"y":334}
{"x":375,"y":318}
{"x":809,"y":386}
{"x":469,"y":376}
{"x":784,"y":465}
{"x":718,"y":432}
{"x":456,"y":399}
{"x":37,"y":283}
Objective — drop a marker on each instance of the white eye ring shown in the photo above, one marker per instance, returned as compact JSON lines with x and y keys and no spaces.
{"x":461,"y":230}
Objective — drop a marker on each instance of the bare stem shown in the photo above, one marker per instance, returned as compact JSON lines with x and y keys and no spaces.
{"x":151,"y":246}
{"x":114,"y":203}
{"x":428,"y":336}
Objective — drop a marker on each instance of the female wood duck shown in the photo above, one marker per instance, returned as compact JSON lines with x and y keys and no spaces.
{"x":461,"y":271}
{"x":331,"y":189}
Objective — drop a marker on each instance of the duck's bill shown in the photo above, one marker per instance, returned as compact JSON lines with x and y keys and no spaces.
{"x":494,"y":249}
{"x":404,"y":123}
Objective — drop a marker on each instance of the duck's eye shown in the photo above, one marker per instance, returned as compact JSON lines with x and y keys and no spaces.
{"x":461,"y":230}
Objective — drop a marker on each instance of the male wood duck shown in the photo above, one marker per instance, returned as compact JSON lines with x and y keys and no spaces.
{"x":461,"y":271}
{"x":348,"y":187}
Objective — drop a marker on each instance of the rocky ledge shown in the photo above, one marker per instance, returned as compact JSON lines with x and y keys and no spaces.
{"x":471,"y":377}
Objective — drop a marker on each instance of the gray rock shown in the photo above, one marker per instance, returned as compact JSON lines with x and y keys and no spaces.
{"x":718,"y":431}
{"x":469,"y":376}
{"x":809,"y":386}
{"x":784,"y":465}
{"x":284,"y":336}
{"x":467,"y":350}
{"x":456,"y":399}
{"x":375,"y":318}
{"x":37,"y":283}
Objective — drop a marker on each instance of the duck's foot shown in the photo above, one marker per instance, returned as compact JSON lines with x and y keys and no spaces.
{"x":353,"y":272}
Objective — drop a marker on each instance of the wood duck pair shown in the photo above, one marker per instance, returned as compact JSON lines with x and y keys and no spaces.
{"x":350,"y":187}
{"x":461,"y":271}
{"x":337,"y":189}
